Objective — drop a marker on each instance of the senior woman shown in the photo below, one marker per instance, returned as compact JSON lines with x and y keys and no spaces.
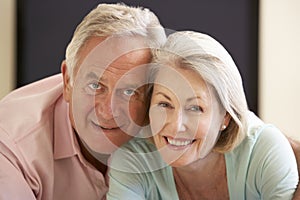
{"x":205,"y":142}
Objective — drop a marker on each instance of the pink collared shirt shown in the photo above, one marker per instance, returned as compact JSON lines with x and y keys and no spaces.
{"x":39,"y":155}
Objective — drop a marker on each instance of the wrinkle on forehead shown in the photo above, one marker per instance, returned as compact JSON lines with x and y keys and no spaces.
{"x":112,"y":51}
{"x":184,"y":83}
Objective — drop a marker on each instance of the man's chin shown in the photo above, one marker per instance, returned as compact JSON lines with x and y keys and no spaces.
{"x":105,"y":141}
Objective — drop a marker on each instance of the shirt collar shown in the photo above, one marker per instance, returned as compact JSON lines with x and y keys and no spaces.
{"x":65,"y":143}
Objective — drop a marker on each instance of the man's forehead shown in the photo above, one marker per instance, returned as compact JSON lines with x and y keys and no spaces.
{"x":116,"y":45}
{"x":105,"y":50}
{"x":133,"y":76}
{"x":104,"y":56}
{"x":119,"y":59}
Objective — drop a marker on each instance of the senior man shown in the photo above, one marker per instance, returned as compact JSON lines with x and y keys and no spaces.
{"x":56,"y":134}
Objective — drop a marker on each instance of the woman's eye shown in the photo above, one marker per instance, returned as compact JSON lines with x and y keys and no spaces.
{"x":164,"y":105}
{"x":195,"y":108}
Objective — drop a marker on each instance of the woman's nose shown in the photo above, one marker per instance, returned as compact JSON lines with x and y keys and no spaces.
{"x":179,"y":121}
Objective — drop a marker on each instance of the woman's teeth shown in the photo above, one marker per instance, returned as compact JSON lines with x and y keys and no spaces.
{"x":180,"y":142}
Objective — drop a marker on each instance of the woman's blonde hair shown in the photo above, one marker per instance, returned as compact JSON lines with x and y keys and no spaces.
{"x":209,"y":58}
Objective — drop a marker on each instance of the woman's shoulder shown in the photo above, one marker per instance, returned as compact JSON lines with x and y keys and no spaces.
{"x":261,"y":161}
{"x":263,"y":144}
{"x":261,"y":134}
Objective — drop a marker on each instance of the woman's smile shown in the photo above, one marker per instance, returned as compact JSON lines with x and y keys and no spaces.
{"x":178,"y":143}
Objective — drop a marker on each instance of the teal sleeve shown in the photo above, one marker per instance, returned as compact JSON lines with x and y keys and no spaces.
{"x":273,"y":166}
{"x":126,"y":173}
{"x":137,"y":171}
{"x":125,"y":186}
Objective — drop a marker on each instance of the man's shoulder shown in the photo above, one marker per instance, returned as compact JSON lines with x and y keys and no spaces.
{"x":26,"y":109}
{"x":34,"y":89}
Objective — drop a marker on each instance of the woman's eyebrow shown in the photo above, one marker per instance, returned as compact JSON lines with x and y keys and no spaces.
{"x":201,"y":99}
{"x":164,"y":95}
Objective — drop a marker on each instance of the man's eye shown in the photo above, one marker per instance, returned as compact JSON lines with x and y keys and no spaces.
{"x":95,"y":86}
{"x":129,"y":92}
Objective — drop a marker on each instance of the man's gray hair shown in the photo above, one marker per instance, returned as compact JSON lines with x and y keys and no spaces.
{"x":114,"y":19}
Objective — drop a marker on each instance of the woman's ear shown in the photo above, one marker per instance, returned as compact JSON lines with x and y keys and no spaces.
{"x":226,"y":121}
{"x":67,"y":90}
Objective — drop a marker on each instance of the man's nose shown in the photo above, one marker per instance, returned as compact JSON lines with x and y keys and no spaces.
{"x":104,"y":107}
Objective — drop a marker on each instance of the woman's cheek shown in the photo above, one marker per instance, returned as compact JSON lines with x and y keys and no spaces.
{"x":158,"y":119}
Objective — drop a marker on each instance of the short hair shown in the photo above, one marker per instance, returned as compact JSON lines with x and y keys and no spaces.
{"x":203,"y":54}
{"x":114,"y":19}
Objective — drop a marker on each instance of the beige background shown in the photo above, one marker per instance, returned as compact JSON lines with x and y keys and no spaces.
{"x":279,"y":64}
{"x":7,"y":43}
{"x":279,"y":60}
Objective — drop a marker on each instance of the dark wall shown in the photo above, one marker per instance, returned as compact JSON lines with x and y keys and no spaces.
{"x":46,"y":27}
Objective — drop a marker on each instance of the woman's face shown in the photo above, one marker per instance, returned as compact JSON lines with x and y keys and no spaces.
{"x":185,"y":116}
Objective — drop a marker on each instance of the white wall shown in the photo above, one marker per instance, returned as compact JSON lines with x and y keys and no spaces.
{"x":7,"y":43}
{"x":279,"y":64}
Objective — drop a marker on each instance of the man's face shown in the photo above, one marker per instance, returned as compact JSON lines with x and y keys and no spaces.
{"x":108,"y":95}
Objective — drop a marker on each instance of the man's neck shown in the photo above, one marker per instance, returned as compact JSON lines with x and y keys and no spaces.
{"x":99,"y":161}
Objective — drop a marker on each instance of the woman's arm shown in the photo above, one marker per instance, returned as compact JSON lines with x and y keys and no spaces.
{"x":296,"y":147}
{"x":274,"y":166}
{"x":137,"y":171}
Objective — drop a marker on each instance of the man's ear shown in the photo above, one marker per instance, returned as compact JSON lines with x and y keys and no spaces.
{"x":66,"y":79}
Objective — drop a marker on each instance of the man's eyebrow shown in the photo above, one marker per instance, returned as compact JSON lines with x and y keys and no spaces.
{"x":128,"y":85}
{"x":93,"y":75}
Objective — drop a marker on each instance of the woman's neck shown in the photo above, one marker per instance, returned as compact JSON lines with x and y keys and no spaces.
{"x":203,"y":165}
{"x":203,"y":178}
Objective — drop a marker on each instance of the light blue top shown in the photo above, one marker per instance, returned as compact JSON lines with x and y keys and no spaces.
{"x":263,"y":166}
